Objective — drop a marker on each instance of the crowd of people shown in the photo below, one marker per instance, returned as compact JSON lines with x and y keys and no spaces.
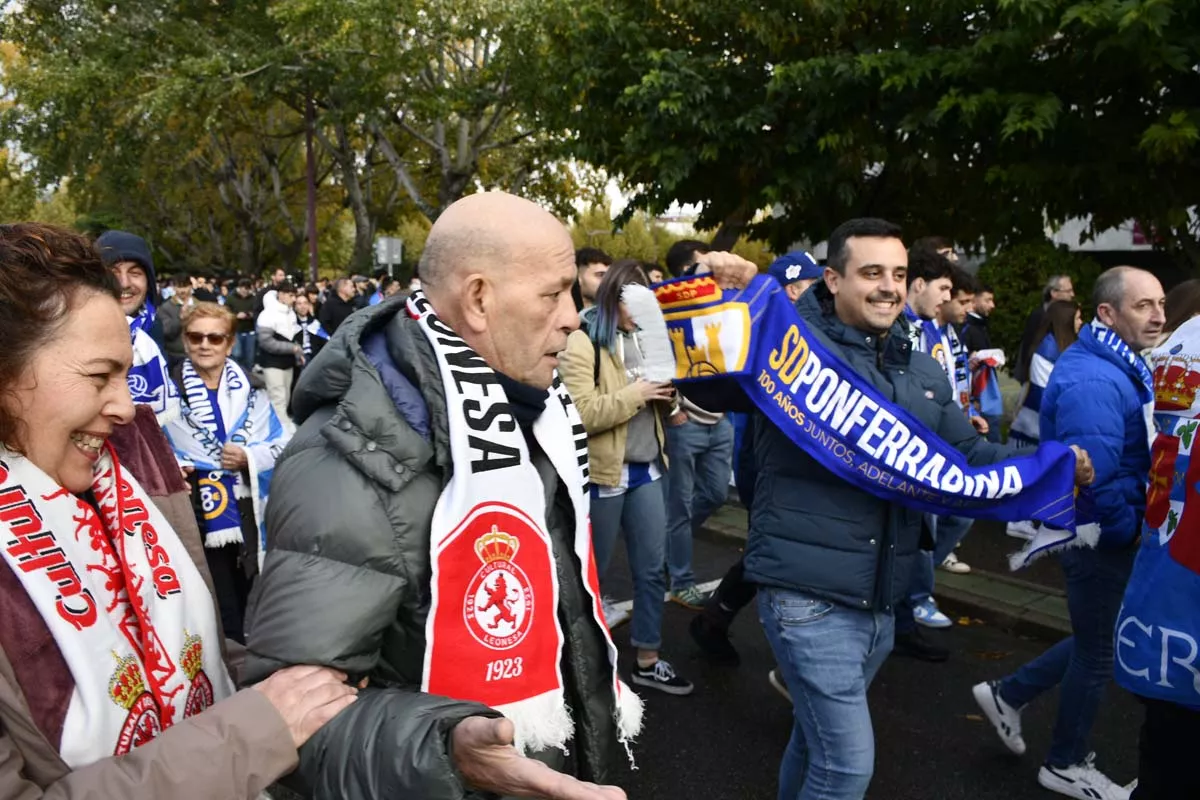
{"x":349,"y":540}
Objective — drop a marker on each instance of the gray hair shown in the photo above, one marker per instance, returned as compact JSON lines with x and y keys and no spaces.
{"x":1110,"y":287}
{"x":1052,"y":286}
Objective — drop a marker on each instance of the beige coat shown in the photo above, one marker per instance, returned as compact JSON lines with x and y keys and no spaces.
{"x":605,"y":408}
{"x":230,"y":751}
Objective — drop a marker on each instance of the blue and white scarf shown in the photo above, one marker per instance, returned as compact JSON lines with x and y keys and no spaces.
{"x":940,"y":344}
{"x":144,"y":319}
{"x":308,"y":331}
{"x":842,"y":420}
{"x":250,"y":423}
{"x":148,"y":380}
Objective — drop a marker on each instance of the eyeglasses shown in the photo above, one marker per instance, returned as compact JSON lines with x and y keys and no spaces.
{"x":217,"y":339}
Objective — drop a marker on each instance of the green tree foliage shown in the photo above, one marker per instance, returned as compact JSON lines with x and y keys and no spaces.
{"x":18,"y":194}
{"x":1018,"y":275}
{"x":186,"y":121}
{"x":645,"y":239}
{"x":972,"y":118}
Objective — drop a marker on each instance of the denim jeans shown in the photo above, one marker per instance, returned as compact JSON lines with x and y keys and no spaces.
{"x":947,"y":533}
{"x":245,"y":346}
{"x":641,"y":513}
{"x":697,"y":485}
{"x":1082,"y":663}
{"x":828,"y":655}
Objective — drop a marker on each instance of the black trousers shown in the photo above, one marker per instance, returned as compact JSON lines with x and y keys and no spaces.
{"x":1166,"y":770}
{"x":734,"y":594}
{"x":232,"y":585}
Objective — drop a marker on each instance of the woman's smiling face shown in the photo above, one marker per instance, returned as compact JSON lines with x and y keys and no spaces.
{"x":74,"y":391}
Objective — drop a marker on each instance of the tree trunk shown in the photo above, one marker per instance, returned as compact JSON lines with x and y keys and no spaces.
{"x":732,"y":228}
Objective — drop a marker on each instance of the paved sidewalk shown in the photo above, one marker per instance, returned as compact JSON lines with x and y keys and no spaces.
{"x":1029,"y":603}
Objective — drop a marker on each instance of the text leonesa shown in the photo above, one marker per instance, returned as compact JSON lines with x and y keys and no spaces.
{"x":859,"y":420}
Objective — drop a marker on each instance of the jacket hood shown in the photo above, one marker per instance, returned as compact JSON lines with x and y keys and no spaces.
{"x":328,"y":378}
{"x":118,"y":246}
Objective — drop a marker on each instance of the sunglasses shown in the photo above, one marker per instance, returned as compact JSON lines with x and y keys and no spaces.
{"x":212,"y":338}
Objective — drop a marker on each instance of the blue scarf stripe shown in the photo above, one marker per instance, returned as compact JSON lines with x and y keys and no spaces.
{"x":847,"y":425}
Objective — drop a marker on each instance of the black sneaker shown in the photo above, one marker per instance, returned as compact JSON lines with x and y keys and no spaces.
{"x":915,"y":645}
{"x":661,"y":675}
{"x":713,"y":641}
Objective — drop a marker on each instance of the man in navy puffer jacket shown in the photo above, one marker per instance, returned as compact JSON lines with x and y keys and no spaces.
{"x":1099,"y":397}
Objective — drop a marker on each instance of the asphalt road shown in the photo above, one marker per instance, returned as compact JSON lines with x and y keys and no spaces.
{"x":726,"y":739}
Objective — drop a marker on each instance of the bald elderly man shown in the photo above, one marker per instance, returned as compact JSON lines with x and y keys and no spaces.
{"x":428,"y":533}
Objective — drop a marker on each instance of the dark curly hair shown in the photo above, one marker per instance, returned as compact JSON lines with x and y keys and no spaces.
{"x":43,"y":269}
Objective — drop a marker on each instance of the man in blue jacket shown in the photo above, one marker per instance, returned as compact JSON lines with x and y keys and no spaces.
{"x":831,"y":559}
{"x":1099,"y":397}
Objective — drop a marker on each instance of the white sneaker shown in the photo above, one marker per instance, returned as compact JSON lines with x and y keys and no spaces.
{"x":1081,"y":781}
{"x":1021,"y":530}
{"x":614,"y":615}
{"x":1005,"y":718}
{"x":952,"y":564}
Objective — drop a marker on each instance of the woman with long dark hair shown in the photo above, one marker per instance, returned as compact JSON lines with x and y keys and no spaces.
{"x":1182,"y":303}
{"x":623,"y":412}
{"x":1058,"y":330}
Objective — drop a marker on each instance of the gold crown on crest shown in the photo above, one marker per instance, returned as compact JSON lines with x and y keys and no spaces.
{"x":191,"y":659}
{"x":496,"y":545}
{"x":126,"y":684}
{"x":1175,"y":387}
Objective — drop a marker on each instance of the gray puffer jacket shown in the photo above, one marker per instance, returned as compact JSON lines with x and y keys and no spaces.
{"x":346,"y":581}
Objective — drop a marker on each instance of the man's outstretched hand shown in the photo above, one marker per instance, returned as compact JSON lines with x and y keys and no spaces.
{"x":728,"y":270}
{"x":483,"y":752}
{"x":1085,"y":473}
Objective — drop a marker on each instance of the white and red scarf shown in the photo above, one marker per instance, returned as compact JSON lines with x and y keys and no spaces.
{"x":493,"y":634}
{"x":127,"y":608}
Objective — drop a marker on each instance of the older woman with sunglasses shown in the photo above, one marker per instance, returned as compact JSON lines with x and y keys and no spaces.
{"x":227,"y":437}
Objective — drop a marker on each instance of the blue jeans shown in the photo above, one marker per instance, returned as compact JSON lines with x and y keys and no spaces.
{"x":828,"y":655}
{"x":1082,"y":663}
{"x":641,"y":513}
{"x":245,"y":346}
{"x":947,"y":533}
{"x":697,"y":485}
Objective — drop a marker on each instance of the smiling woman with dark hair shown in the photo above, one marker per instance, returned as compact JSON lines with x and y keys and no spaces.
{"x":112,"y":683}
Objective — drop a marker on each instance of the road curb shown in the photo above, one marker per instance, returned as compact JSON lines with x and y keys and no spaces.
{"x":1014,"y":619}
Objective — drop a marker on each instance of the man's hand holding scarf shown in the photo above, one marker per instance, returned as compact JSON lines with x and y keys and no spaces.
{"x":1085,"y":473}
{"x":729,"y":271}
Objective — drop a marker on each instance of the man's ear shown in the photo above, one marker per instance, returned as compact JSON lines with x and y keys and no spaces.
{"x":832,"y":279}
{"x":1106,"y":314}
{"x":475,"y":301}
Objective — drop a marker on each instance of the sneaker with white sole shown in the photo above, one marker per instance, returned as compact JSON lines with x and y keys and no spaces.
{"x":776,"y":681}
{"x":1005,"y":718}
{"x":662,"y":676}
{"x":952,"y":564}
{"x":692,"y":597}
{"x":1081,"y":781}
{"x":926,"y":613}
{"x":614,"y":615}
{"x":1021,"y":530}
